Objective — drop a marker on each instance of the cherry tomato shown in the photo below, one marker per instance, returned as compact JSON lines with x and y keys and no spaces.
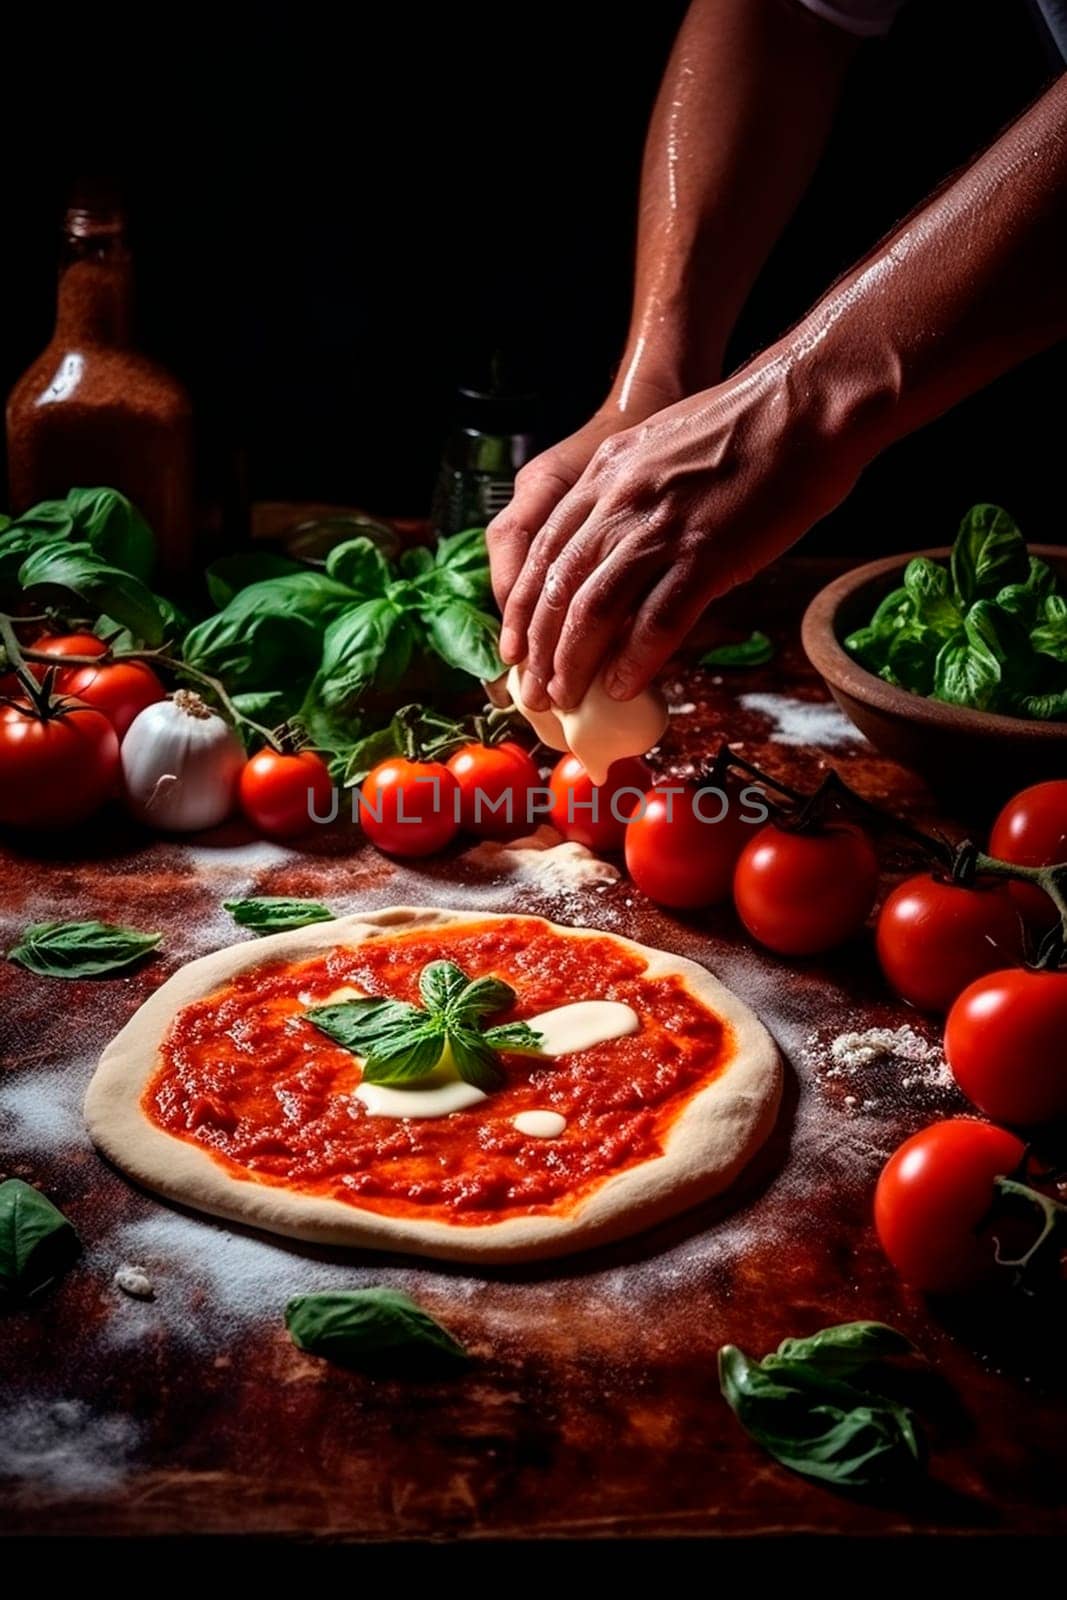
{"x":596,"y":815}
{"x":495,"y":783}
{"x":683,"y":843}
{"x":283,"y":795}
{"x":409,"y":807}
{"x":1031,"y":831}
{"x":932,"y":1197}
{"x":120,"y":689}
{"x":935,"y":937}
{"x":55,"y":770}
{"x":802,"y":893}
{"x":1005,"y":1042}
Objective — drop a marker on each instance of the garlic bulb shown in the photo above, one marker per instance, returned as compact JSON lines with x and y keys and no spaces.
{"x":180,"y":763}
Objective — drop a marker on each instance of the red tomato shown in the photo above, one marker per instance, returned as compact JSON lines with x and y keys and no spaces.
{"x":57,"y":770}
{"x":491,"y":776}
{"x":282,"y":795}
{"x":409,"y":807}
{"x":802,"y":893}
{"x":596,"y":815}
{"x":1005,"y":1041}
{"x":683,"y":843}
{"x":66,"y":644}
{"x":934,"y":938}
{"x":1031,"y":831}
{"x":120,"y":689}
{"x":932,"y":1196}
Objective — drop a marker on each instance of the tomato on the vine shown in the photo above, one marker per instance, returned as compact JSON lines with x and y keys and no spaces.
{"x":596,"y":814}
{"x":58,"y":645}
{"x":408,"y":807}
{"x":801,"y":893}
{"x":683,"y":842}
{"x":495,"y":784}
{"x":935,"y":937}
{"x":120,"y":689}
{"x":933,"y":1196}
{"x":1031,"y":831}
{"x":1005,"y":1039}
{"x":282,"y":794}
{"x":57,"y":766}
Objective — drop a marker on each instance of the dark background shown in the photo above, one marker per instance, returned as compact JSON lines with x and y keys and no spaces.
{"x":340,"y":212}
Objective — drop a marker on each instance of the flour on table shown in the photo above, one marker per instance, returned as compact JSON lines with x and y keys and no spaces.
{"x":882,"y":1061}
{"x":803,"y":722}
{"x":686,"y":709}
{"x":544,"y":860}
{"x":66,"y":1446}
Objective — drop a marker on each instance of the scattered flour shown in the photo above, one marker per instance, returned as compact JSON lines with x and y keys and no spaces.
{"x":901,"y":1059}
{"x":545,"y":861}
{"x":686,"y":709}
{"x":42,"y":1109}
{"x":803,"y":722}
{"x":65,"y":1446}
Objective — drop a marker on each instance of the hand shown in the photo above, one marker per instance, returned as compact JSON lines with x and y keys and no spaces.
{"x":666,"y":516}
{"x":542,"y":482}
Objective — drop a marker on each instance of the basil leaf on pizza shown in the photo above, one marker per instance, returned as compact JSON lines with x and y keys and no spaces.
{"x":400,"y":1042}
{"x":276,"y":913}
{"x":80,"y":949}
{"x":378,"y":1329}
{"x":815,"y":1406}
{"x":36,"y":1240}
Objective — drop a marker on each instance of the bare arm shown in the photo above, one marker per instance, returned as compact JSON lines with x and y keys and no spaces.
{"x":740,"y":121}
{"x":676,"y":510}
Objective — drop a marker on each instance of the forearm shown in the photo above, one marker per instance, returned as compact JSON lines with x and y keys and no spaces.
{"x":966,"y":288}
{"x":739,"y":124}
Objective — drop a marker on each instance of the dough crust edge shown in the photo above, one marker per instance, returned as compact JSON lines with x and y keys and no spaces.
{"x":711,"y":1141}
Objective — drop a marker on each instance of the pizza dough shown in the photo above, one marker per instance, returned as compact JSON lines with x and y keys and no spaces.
{"x":598,"y":730}
{"x":712,"y":1138}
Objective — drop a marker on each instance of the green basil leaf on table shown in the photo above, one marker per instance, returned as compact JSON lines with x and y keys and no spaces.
{"x":80,"y":949}
{"x":36,"y":1240}
{"x":276,"y":913}
{"x":812,"y":1408}
{"x":755,"y":651}
{"x":230,"y":574}
{"x":120,"y":637}
{"x":253,"y":652}
{"x":114,"y":528}
{"x":21,"y":540}
{"x":371,"y":643}
{"x":378,"y":1329}
{"x":989,"y":553}
{"x":464,"y":637}
{"x":360,"y":565}
{"x":78,"y":570}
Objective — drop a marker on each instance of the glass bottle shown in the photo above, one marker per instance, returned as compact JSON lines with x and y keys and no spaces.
{"x":491,"y":438}
{"x":92,"y":410}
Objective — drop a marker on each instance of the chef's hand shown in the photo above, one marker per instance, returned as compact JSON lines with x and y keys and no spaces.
{"x":542,"y":483}
{"x":666,"y":516}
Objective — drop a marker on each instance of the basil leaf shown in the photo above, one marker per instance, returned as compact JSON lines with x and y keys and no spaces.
{"x":416,"y":563}
{"x":461,"y":567}
{"x":516,"y":1037}
{"x":370,"y":644}
{"x":405,"y":1055}
{"x":21,"y":540}
{"x":230,"y":574}
{"x":463,"y":636}
{"x":989,"y":553}
{"x":933,"y":607}
{"x":1049,"y":637}
{"x":360,"y":565}
{"x":276,"y":913}
{"x":802,"y":1412}
{"x":114,"y":528}
{"x":36,"y":1240}
{"x":357,"y":1024}
{"x":966,"y":672}
{"x":894,"y":611}
{"x":844,"y":1349}
{"x":370,"y":750}
{"x":1023,"y":600}
{"x":1048,"y":706}
{"x":755,"y":651}
{"x":270,"y":631}
{"x":440,"y":983}
{"x":483,"y":997}
{"x":76,"y":569}
{"x":912,"y":658}
{"x":870,"y":646}
{"x":337,"y":734}
{"x":80,"y":949}
{"x":378,"y":1329}
{"x":475,"y":1059}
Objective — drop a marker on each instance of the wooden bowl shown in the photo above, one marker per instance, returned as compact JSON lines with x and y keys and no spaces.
{"x":975,"y":756}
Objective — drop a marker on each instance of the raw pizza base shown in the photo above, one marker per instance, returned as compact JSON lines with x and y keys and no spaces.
{"x":711,"y":1140}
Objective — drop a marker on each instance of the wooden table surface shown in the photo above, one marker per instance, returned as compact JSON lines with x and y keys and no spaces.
{"x":592,"y":1408}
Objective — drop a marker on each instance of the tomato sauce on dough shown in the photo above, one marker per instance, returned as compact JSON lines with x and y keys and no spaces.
{"x":245,"y":1076}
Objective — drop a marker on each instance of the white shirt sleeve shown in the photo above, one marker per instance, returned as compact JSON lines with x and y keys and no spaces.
{"x":867,"y":18}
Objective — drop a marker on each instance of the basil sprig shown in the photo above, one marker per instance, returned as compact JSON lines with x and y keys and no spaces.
{"x":400,"y":1042}
{"x":377,"y":1329}
{"x":276,"y":913}
{"x":755,"y":651}
{"x":812,"y":1405}
{"x":988,"y":631}
{"x":36,"y":1240}
{"x":80,"y":949}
